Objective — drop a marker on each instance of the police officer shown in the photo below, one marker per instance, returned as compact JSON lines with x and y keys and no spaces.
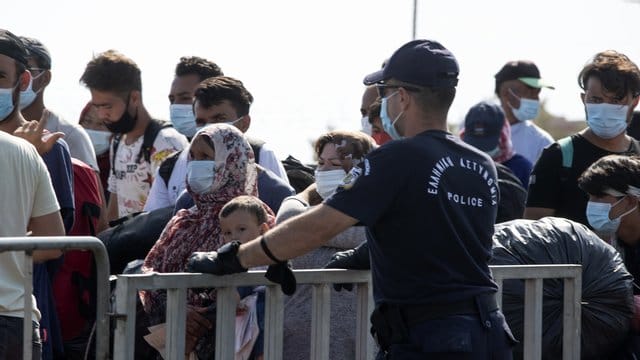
{"x":429,"y":202}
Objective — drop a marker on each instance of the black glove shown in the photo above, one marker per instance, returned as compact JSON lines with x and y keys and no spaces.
{"x":281,"y":273}
{"x":353,"y":259}
{"x":224,"y":261}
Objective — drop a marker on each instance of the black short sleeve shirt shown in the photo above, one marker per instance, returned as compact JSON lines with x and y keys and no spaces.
{"x":429,"y":203}
{"x":552,"y":186}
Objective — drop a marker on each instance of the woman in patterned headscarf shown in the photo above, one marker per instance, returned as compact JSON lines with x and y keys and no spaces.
{"x":221,"y":167}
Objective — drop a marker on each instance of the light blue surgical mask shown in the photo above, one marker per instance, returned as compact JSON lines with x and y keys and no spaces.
{"x":528,"y":109}
{"x":27,"y":97}
{"x":6,"y":102}
{"x":607,"y":120}
{"x":183,"y":119}
{"x":100,"y":140}
{"x":200,"y":175}
{"x":598,"y":217}
{"x":387,"y":123}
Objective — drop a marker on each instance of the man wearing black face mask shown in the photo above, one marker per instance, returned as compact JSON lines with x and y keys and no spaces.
{"x":115,"y":85}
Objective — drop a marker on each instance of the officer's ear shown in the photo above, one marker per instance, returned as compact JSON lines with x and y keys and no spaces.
{"x":405,"y":97}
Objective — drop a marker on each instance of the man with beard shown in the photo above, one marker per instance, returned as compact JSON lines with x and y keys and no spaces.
{"x":116,"y":93}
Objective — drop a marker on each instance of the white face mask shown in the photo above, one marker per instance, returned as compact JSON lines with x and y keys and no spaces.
{"x":183,"y":119}
{"x":366,"y":125}
{"x":200,"y":175}
{"x":528,"y":109}
{"x":328,"y":181}
{"x":28,"y":96}
{"x":100,"y":140}
{"x":607,"y":120}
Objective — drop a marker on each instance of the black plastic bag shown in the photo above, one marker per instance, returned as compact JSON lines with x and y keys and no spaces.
{"x":607,"y":294}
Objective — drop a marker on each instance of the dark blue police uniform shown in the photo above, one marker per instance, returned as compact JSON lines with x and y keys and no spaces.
{"x":429,"y":203}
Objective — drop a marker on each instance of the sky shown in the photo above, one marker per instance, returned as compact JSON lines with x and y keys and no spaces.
{"x":304,"y":61}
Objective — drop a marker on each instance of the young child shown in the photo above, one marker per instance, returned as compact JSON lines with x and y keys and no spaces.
{"x":245,"y":218}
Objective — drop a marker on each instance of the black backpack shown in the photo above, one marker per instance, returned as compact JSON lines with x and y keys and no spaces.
{"x":513,"y":195}
{"x":150,"y":134}
{"x":300,"y":175}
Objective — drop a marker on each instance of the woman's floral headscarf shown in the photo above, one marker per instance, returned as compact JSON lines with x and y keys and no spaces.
{"x":198,"y":228}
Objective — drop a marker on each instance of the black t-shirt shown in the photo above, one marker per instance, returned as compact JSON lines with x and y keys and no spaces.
{"x":429,"y":203}
{"x":554,"y":187}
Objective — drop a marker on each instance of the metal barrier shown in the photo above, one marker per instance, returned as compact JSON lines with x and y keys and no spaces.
{"x":28,"y":245}
{"x":177,"y":284}
{"x":533,"y":276}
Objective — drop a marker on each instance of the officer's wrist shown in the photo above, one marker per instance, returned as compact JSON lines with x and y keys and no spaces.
{"x":242,"y":256}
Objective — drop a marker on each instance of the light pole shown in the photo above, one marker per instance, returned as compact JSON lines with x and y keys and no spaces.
{"x":415,"y":12}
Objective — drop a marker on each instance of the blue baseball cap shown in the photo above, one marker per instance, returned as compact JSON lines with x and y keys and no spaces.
{"x":420,"y":62}
{"x":483,"y":125}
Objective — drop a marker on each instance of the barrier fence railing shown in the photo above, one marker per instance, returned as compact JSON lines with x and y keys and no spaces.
{"x":176,"y":284}
{"x":30,"y":244}
{"x":127,"y":286}
{"x":533,"y":276}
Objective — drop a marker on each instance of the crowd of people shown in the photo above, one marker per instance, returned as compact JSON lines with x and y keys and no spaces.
{"x":403,"y":196}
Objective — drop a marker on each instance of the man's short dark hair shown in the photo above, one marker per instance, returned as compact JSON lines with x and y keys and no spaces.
{"x":436,"y":99}
{"x":215,"y":90}
{"x":204,"y":68}
{"x":618,"y":74}
{"x":615,"y":172}
{"x":111,"y":71}
{"x":38,"y":52}
{"x":246,"y":203}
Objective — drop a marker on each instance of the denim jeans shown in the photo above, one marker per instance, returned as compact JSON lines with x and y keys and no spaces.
{"x":11,"y":338}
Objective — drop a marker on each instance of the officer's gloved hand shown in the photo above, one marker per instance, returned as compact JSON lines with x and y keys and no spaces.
{"x":353,"y":259}
{"x":222,"y":262}
{"x":281,"y":273}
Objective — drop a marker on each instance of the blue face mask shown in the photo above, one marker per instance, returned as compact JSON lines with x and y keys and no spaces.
{"x":598,"y":217}
{"x":28,"y":96}
{"x":528,"y":109}
{"x":200,"y":175}
{"x":607,"y":120}
{"x":6,"y":102}
{"x":100,"y":140}
{"x":183,"y":119}
{"x":387,"y":124}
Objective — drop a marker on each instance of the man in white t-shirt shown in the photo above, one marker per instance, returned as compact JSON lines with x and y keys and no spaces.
{"x":116,"y":93}
{"x":219,"y":99}
{"x":518,"y":86}
{"x":27,"y":201}
{"x":32,"y":104}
